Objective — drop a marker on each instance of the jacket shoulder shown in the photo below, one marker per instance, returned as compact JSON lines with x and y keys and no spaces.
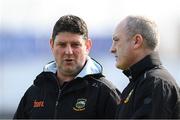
{"x":99,"y":78}
{"x":107,"y":85}
{"x":106,"y":82}
{"x":159,"y":75}
{"x":31,"y":91}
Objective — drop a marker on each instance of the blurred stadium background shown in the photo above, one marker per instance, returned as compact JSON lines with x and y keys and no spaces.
{"x":26,"y":26}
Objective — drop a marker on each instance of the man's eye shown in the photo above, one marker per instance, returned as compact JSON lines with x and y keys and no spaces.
{"x":75,"y":45}
{"x":115,"y":39}
{"x":61,"y":44}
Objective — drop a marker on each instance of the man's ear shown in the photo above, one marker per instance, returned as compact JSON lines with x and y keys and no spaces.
{"x":137,"y":40}
{"x":51,"y":43}
{"x":88,"y":45}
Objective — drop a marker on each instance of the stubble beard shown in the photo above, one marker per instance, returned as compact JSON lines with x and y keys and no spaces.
{"x":69,"y":70}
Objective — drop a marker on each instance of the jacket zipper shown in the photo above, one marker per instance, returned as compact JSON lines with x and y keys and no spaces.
{"x":57,"y":102}
{"x":58,"y":97}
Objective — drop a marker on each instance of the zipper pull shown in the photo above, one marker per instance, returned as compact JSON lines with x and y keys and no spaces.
{"x":57,"y":101}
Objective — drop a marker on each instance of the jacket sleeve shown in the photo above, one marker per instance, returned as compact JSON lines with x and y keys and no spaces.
{"x":109,"y":98}
{"x":24,"y":105}
{"x":20,"y":112}
{"x":158,"y":100}
{"x":112,"y":103}
{"x":165,"y":100}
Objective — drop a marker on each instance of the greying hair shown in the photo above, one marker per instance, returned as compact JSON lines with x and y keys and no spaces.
{"x":145,"y":27}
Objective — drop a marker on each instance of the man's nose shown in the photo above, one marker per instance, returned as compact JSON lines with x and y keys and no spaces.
{"x":68,"y":50}
{"x":112,"y":49}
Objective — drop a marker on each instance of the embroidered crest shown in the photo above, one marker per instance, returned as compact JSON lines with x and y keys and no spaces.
{"x":80,"y":104}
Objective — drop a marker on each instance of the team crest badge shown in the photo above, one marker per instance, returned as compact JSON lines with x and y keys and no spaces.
{"x":80,"y":104}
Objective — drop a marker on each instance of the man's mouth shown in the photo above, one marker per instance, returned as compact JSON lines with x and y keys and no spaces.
{"x":116,"y":57}
{"x":68,"y":60}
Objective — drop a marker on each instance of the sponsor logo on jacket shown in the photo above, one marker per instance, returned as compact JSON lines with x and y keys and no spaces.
{"x":38,"y":104}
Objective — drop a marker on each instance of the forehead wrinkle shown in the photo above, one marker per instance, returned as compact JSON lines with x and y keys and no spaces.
{"x":115,"y":34}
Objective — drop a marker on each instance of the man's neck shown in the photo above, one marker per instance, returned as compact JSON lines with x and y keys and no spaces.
{"x":141,"y":55}
{"x":64,"y":78}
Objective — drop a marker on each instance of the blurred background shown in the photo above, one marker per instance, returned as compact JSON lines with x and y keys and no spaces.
{"x":26,"y":27}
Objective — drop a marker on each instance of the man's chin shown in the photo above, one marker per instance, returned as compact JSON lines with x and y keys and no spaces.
{"x":118,"y":66}
{"x":69,"y":69}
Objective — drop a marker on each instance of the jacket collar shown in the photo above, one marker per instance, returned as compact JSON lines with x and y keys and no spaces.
{"x":48,"y":80}
{"x":150,"y":61}
{"x":91,"y":67}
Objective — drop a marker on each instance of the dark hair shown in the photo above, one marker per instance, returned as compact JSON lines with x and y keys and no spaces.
{"x":72,"y":24}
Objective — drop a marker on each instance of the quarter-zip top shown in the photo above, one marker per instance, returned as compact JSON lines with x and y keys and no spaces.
{"x":88,"y":95}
